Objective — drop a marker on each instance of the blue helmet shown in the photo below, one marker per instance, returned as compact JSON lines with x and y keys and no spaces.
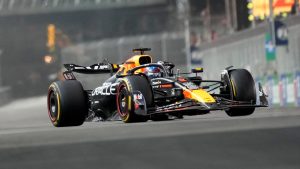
{"x":153,"y":72}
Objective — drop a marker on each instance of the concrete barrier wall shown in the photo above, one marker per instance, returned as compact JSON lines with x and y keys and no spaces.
{"x":247,"y":50}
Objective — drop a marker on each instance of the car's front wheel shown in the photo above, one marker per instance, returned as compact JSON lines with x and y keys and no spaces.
{"x":242,"y":88}
{"x":125,"y":101}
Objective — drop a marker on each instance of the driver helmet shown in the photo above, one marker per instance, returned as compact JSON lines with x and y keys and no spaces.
{"x":153,"y":72}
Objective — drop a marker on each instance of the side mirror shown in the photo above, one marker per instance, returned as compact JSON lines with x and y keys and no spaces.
{"x":197,"y":70}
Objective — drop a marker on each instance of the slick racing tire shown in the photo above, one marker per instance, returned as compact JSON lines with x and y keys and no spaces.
{"x":242,"y":87}
{"x":67,"y":103}
{"x":125,"y":102}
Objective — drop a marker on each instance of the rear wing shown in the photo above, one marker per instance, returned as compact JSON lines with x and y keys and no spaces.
{"x":93,"y":69}
{"x":99,"y":68}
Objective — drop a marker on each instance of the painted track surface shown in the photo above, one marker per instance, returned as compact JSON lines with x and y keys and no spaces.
{"x":267,"y":139}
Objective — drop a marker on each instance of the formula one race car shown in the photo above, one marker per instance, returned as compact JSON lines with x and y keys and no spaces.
{"x":140,"y":90}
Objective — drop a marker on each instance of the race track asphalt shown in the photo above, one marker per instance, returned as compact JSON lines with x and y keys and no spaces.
{"x":268,"y":139}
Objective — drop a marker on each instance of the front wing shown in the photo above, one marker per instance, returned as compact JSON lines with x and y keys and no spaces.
{"x":220,"y":104}
{"x":187,"y":104}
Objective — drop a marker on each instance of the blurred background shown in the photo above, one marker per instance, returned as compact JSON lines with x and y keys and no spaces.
{"x":38,"y":36}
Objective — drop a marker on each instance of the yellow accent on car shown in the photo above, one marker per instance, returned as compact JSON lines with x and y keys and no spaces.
{"x":199,"y":95}
{"x":58,"y":107}
{"x":233,"y":87}
{"x":132,"y":62}
{"x":199,"y":68}
{"x":126,"y":117}
{"x":56,"y":90}
{"x":129,"y":103}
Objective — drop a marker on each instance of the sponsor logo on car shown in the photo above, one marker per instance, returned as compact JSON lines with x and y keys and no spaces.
{"x":110,"y":89}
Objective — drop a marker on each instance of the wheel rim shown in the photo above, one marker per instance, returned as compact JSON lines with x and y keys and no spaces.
{"x":122,"y":101}
{"x":52,"y":106}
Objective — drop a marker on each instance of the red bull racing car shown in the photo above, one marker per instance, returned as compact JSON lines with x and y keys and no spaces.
{"x":140,"y":90}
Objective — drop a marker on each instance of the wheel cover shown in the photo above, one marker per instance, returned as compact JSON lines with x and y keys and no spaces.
{"x":52,"y":106}
{"x":122,"y":101}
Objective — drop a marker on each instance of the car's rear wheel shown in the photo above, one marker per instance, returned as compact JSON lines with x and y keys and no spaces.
{"x":242,"y":88}
{"x":125,"y":101}
{"x":67,"y":103}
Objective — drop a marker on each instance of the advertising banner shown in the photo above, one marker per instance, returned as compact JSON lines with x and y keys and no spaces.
{"x":290,"y":89}
{"x":270,"y":49}
{"x":283,"y":84}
